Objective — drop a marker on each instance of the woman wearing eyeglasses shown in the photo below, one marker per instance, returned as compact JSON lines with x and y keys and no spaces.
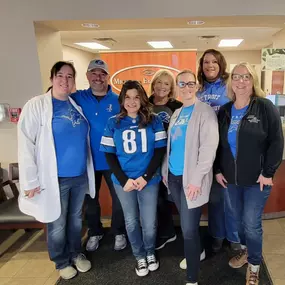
{"x":249,"y":153}
{"x":187,"y":170}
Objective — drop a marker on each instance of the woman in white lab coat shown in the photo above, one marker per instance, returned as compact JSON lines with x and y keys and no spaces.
{"x":56,"y":169}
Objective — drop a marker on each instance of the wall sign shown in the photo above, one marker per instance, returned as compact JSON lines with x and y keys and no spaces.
{"x":273,"y":59}
{"x":142,"y":66}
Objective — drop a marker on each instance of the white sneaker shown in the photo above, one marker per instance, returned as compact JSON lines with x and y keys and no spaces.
{"x":152,"y":262}
{"x":141,"y":267}
{"x":120,"y":242}
{"x":82,"y":263}
{"x":93,"y":243}
{"x":183,"y":264}
{"x":67,"y":272}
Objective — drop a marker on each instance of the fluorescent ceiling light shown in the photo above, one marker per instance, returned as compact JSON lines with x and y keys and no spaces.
{"x":160,"y":44}
{"x":196,"y":22}
{"x":90,"y":25}
{"x":230,"y":43}
{"x":92,"y":45}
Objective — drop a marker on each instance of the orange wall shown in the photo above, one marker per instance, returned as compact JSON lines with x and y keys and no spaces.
{"x":142,"y":65}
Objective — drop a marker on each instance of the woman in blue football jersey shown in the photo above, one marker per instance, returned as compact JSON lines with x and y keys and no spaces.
{"x":134,"y":142}
{"x":212,"y":76}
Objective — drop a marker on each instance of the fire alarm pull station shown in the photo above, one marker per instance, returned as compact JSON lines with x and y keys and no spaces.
{"x":14,"y":114}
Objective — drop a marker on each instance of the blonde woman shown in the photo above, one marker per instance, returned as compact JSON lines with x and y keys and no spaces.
{"x":249,"y":153}
{"x":187,"y":170}
{"x":162,"y":90}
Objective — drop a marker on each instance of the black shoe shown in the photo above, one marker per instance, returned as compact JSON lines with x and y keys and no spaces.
{"x":217,"y":244}
{"x":141,"y":267}
{"x":152,"y":262}
{"x":235,"y":246}
{"x":161,"y":242}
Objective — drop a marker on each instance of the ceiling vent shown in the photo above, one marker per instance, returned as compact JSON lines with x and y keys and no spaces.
{"x":110,"y":40}
{"x":207,"y":38}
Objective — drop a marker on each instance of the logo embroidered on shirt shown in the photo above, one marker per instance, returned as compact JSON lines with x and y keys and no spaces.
{"x":110,"y":108}
{"x":165,"y":118}
{"x":253,"y":119}
{"x":74,"y":117}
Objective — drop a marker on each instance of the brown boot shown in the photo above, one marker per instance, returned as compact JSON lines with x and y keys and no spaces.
{"x":252,"y":277}
{"x":239,"y":260}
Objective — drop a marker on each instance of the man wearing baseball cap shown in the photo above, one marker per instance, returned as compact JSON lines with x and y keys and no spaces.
{"x":99,"y":103}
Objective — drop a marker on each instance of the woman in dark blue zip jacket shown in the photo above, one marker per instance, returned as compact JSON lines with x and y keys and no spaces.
{"x":213,"y":77}
{"x":249,"y":153}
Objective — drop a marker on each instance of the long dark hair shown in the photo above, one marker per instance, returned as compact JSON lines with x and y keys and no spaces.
{"x":223,"y":74}
{"x":145,"y":112}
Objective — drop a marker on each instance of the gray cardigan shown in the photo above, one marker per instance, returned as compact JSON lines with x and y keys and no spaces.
{"x":202,"y":137}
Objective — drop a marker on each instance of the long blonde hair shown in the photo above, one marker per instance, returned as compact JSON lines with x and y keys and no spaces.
{"x":159,"y":74}
{"x":257,"y":91}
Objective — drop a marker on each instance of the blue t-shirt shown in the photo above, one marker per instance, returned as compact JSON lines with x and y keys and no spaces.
{"x":70,"y":131}
{"x":177,"y":141}
{"x":97,"y":114}
{"x":133,"y":146}
{"x":214,"y":94}
{"x":236,"y":116}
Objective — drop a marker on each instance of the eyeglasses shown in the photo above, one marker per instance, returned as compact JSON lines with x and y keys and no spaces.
{"x":237,"y":77}
{"x":190,"y":84}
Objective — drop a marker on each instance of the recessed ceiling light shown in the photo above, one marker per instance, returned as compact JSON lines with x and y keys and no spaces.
{"x":196,"y":22}
{"x":92,"y":45}
{"x":160,"y":44}
{"x":230,"y":42}
{"x":90,"y":25}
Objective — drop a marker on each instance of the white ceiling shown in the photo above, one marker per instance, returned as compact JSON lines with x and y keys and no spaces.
{"x":133,"y":34}
{"x":255,"y":38}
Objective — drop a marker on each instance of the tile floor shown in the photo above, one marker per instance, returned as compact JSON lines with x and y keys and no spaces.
{"x":30,"y":265}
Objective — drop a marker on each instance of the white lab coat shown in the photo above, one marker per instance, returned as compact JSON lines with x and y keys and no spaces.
{"x":37,"y":160}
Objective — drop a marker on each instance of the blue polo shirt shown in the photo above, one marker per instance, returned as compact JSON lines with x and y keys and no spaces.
{"x":97,"y":113}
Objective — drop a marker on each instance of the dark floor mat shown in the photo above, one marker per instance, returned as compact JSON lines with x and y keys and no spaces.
{"x":117,"y":268}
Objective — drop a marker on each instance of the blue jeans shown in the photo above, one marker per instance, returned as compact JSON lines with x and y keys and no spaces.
{"x":190,"y":221}
{"x":221,"y":218}
{"x":64,"y":234}
{"x":248,"y":203}
{"x":139,"y":209}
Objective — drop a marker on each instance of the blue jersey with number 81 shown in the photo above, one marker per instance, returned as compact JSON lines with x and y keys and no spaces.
{"x":133,"y":146}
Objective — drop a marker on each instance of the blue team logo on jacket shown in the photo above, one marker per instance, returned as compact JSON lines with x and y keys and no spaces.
{"x":110,"y":108}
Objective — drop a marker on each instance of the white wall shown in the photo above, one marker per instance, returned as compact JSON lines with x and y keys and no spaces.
{"x":49,"y":51}
{"x":19,"y":73}
{"x":80,"y":60}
